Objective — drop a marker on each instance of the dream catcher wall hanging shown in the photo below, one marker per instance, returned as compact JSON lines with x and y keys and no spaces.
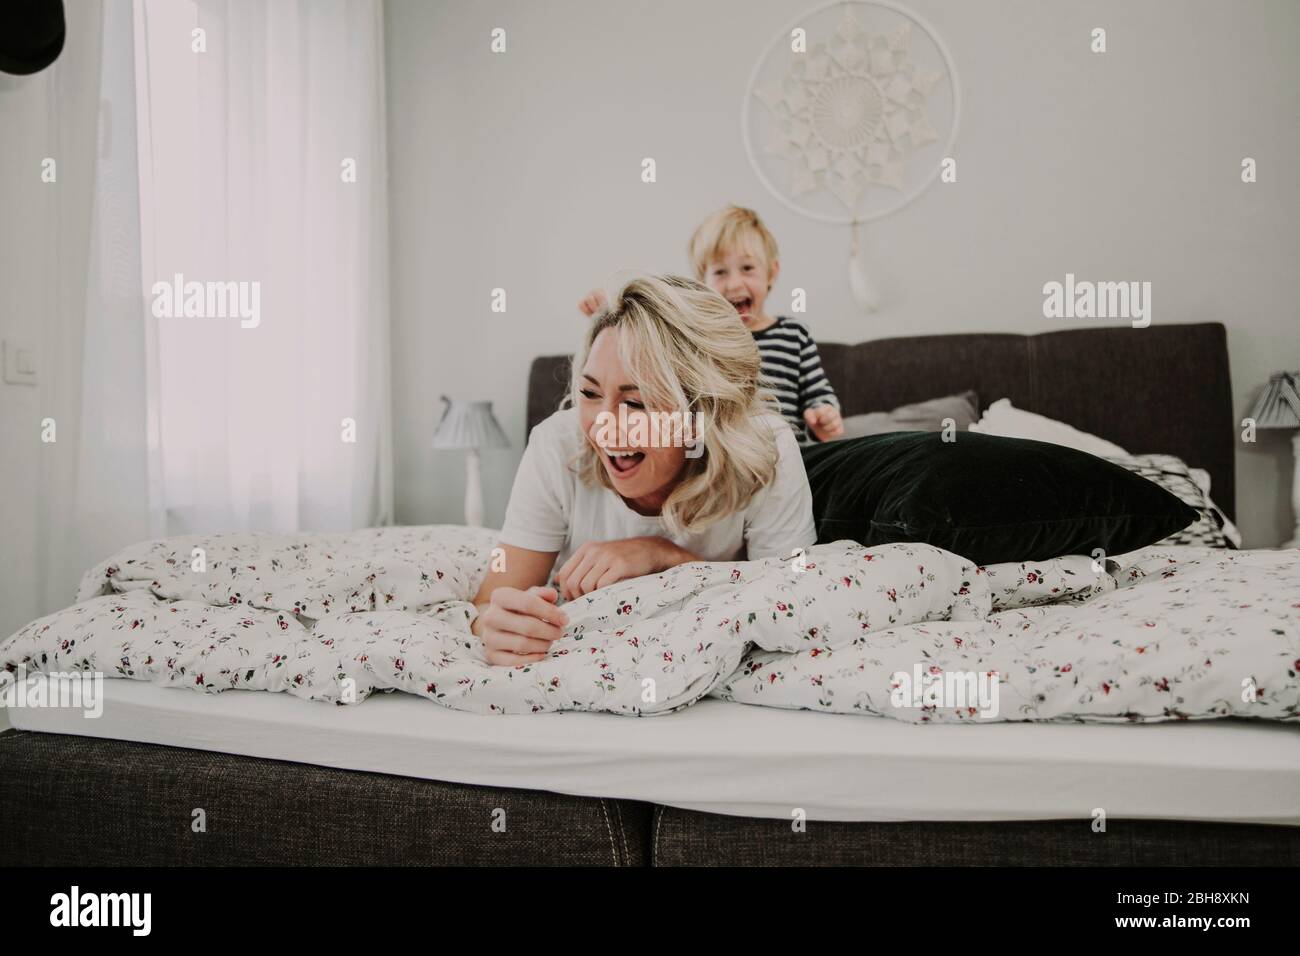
{"x":848,"y":116}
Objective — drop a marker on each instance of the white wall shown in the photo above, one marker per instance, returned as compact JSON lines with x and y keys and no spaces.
{"x":522,"y":171}
{"x":44,"y":236}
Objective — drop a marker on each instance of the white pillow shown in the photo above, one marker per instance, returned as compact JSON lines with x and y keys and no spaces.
{"x":1004,"y":419}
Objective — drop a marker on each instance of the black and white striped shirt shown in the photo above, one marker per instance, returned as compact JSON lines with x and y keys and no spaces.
{"x":792,"y":371}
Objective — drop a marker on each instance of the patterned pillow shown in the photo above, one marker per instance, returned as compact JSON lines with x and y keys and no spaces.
{"x":1173,"y":475}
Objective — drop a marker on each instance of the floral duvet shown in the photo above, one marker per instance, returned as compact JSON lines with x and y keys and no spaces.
{"x":906,"y":631}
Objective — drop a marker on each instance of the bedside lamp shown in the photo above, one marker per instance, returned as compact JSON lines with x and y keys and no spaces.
{"x":470,"y":426}
{"x":1279,"y":407}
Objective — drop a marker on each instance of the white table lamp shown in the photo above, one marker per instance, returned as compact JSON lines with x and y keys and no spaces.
{"x":1278,"y":406}
{"x":470,"y":426}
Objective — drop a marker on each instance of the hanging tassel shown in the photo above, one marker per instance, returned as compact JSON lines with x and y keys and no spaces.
{"x":864,"y":290}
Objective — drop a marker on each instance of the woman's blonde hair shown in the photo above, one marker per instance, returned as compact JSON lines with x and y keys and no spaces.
{"x":687,"y":350}
{"x":729,"y":229}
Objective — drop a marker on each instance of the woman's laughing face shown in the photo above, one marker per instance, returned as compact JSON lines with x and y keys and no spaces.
{"x":643,"y":463}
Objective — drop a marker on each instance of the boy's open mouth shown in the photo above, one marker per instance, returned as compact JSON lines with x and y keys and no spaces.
{"x":742,"y":305}
{"x":625,"y":462}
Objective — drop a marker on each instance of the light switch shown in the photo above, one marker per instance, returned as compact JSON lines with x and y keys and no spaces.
{"x":20,"y":363}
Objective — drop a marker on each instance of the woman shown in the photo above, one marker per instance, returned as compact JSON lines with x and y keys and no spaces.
{"x":606,"y":492}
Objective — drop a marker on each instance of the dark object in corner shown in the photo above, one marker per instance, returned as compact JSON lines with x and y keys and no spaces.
{"x":986,"y":498}
{"x":31,"y":35}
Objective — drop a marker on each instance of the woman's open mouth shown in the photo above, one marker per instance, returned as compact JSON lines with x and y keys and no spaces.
{"x":624,"y":463}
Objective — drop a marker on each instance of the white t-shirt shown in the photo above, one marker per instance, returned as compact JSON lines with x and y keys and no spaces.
{"x":552,"y":510}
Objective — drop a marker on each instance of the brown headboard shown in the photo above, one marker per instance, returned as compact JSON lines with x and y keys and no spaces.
{"x":1159,"y":389}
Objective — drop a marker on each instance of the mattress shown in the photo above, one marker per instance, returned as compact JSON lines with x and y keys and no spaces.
{"x":731,"y":758}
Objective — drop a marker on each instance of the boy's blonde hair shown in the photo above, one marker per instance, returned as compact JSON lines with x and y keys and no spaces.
{"x":686,"y":352}
{"x":729,"y":229}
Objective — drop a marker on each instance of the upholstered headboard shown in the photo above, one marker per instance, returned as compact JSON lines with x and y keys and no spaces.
{"x":1159,"y":389}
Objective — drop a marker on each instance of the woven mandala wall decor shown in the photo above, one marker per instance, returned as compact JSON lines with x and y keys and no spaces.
{"x":849,"y":114}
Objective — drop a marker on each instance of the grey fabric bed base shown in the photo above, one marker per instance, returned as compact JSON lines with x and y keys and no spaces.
{"x":87,"y":801}
{"x":83,"y":801}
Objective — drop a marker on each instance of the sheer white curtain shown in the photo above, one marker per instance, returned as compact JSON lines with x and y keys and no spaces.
{"x":93,"y":490}
{"x":262,"y":163}
{"x":226,"y":165}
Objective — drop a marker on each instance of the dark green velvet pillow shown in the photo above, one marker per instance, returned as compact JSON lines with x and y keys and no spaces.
{"x":987,"y":498}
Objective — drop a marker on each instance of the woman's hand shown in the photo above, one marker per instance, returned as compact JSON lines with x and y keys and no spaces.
{"x":824,"y":421}
{"x":600,"y":563}
{"x":517,"y":627}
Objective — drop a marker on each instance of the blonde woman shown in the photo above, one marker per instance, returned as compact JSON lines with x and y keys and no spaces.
{"x":665,"y":454}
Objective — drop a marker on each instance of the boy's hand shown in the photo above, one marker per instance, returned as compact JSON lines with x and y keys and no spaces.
{"x":824,"y":421}
{"x":592,"y":302}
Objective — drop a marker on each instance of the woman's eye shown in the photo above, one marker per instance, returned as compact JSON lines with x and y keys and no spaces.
{"x":637,"y":405}
{"x":587,"y":393}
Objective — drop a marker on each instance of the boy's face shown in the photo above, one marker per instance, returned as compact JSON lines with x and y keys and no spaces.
{"x":743,"y":277}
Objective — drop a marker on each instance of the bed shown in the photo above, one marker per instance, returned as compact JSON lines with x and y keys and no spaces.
{"x":398,"y":780}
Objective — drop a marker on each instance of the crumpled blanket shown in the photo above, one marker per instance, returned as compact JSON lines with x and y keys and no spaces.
{"x":845,"y":628}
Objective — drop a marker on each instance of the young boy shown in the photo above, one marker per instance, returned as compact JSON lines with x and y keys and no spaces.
{"x":735,"y":254}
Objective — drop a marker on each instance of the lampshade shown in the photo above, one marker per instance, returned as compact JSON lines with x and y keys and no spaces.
{"x":468,"y":425}
{"x":1278,"y":405}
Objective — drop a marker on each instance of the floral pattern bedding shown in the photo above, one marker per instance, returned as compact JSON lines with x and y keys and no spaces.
{"x":1166,"y":634}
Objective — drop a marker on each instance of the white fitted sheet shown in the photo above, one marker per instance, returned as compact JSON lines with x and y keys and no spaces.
{"x":732,"y":758}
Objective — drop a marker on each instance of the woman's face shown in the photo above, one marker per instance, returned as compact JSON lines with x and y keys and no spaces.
{"x":654,"y":468}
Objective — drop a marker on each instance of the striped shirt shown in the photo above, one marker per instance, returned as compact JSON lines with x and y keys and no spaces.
{"x":792,"y":371}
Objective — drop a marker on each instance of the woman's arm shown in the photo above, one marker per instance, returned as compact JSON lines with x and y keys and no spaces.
{"x":520,"y":568}
{"x":597,"y":564}
{"x":517,"y":619}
